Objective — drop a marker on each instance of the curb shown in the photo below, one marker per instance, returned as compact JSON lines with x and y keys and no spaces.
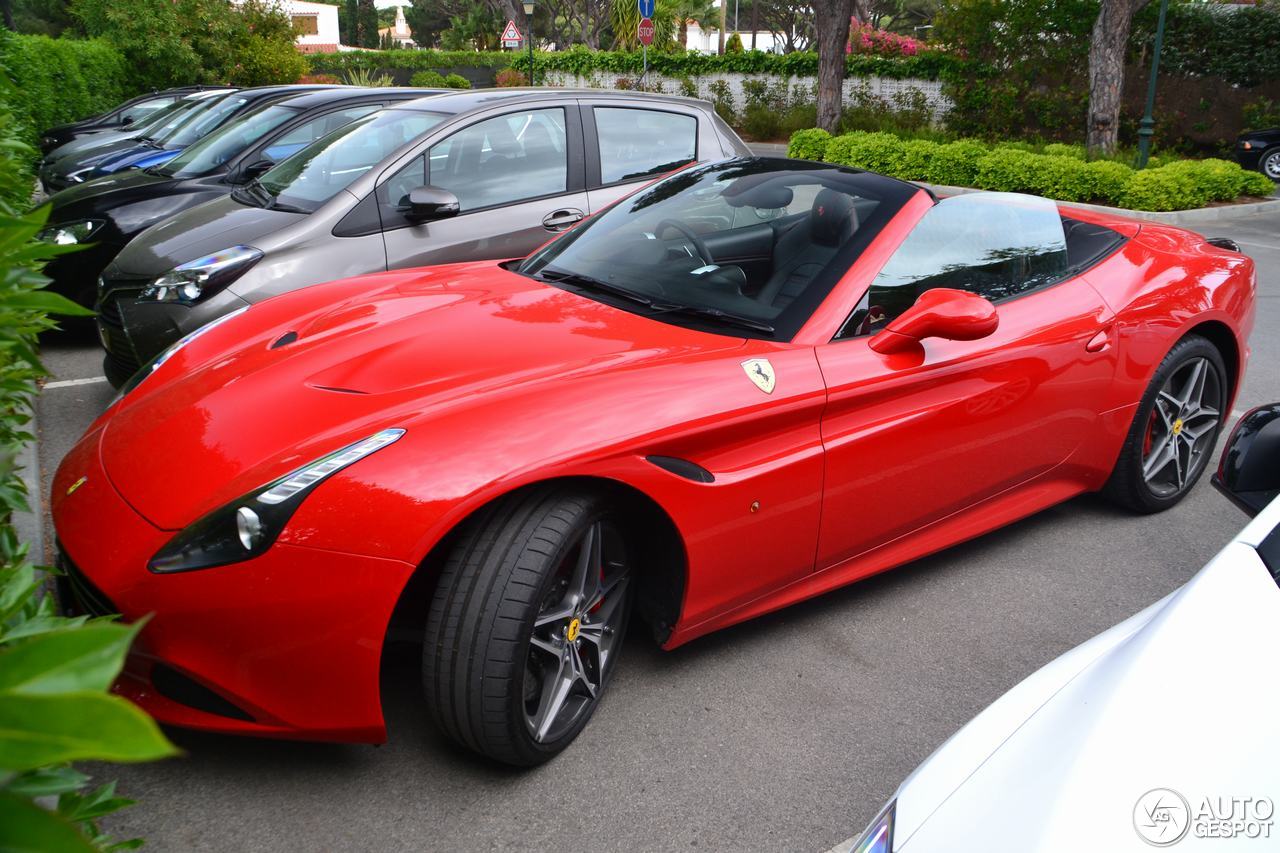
{"x":1198,"y":216}
{"x":29,"y":525}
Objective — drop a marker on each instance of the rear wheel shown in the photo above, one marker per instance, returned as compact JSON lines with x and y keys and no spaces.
{"x":1175,"y":429}
{"x":1269,"y":163}
{"x":525,"y":628}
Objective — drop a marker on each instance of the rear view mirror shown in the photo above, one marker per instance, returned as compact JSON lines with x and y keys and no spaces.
{"x":941,"y":312}
{"x":1249,"y":473}
{"x":428,"y":203}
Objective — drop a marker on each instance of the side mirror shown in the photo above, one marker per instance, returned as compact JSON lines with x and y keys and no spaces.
{"x":126,"y":121}
{"x":428,"y":203}
{"x":1249,"y":473}
{"x":256,"y":169}
{"x":955,"y":315}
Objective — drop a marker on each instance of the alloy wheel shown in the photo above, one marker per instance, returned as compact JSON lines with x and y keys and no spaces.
{"x":1271,"y":165}
{"x":572,"y":647}
{"x":1181,"y":431}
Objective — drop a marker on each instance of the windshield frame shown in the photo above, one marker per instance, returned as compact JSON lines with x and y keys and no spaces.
{"x":172,"y":169}
{"x":891,"y":196}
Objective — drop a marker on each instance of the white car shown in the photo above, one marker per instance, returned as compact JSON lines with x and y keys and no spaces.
{"x":1162,"y":731}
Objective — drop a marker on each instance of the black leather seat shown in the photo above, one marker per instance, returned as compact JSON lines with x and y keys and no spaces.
{"x":803,"y":251}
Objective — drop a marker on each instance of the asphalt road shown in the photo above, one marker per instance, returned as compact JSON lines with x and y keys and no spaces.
{"x":786,"y":733}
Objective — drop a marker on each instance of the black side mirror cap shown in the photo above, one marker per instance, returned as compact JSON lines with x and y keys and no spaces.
{"x":429,"y":203}
{"x":1249,"y":471}
{"x":126,"y":121}
{"x":256,"y":169}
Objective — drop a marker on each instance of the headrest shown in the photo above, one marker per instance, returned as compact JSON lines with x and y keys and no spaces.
{"x":833,"y":218}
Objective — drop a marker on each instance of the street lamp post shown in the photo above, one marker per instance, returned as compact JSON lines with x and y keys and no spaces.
{"x":528,"y":34}
{"x":1147,"y":127}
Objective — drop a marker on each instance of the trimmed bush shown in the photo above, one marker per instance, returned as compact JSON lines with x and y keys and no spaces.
{"x":1060,"y":149}
{"x":1163,"y":189}
{"x":1256,"y":183}
{"x":428,"y":80}
{"x":877,"y":152}
{"x":457,"y":81}
{"x":1108,"y":180}
{"x":956,"y":163}
{"x":809,"y":144}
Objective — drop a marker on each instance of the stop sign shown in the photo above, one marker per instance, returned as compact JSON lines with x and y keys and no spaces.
{"x":645,"y":31}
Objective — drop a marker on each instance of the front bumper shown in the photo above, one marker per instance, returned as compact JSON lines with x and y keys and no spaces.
{"x":75,"y":275}
{"x":133,"y":333}
{"x":286,"y":645}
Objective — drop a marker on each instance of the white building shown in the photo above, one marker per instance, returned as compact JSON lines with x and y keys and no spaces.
{"x":399,"y":31}
{"x":708,"y":40}
{"x":316,"y":25}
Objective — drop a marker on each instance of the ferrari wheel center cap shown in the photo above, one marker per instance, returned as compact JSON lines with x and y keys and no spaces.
{"x":1177,"y":427}
{"x":571,"y":633}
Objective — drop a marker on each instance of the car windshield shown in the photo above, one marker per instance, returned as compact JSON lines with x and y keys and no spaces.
{"x":160,"y":116}
{"x":203,"y":122}
{"x":220,"y":146}
{"x":316,"y":173}
{"x":750,"y":246}
{"x":190,"y":109}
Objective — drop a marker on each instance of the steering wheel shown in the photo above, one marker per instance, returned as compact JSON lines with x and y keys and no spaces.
{"x":703,"y":253}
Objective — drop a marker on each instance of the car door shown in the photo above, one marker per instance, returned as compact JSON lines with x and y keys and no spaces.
{"x":629,"y":144}
{"x":913,"y":437}
{"x":518,"y":179}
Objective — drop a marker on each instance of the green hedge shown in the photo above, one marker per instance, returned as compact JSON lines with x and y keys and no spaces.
{"x":61,"y":80}
{"x":583,"y":62}
{"x":1058,"y":171}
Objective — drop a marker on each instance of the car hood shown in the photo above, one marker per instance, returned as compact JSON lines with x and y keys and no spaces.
{"x":79,"y":153}
{"x":212,"y":226}
{"x":139,"y":157}
{"x":1181,"y":696}
{"x":401,"y":349}
{"x":104,"y":193}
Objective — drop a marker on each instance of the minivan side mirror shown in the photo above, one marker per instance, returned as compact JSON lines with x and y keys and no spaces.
{"x":1249,"y":472}
{"x":940,"y":312}
{"x":429,"y":203}
{"x":256,"y":169}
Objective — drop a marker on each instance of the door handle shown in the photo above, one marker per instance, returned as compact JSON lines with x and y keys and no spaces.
{"x":558,"y":220}
{"x":1099,"y":342}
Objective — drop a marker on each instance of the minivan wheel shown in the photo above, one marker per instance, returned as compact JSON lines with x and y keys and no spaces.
{"x":525,"y":627}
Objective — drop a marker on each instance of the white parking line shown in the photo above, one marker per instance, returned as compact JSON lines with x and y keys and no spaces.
{"x":1259,"y":245}
{"x":71,"y":383}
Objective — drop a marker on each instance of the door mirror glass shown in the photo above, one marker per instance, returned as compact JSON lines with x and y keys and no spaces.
{"x":1249,"y":473}
{"x":955,"y":315}
{"x":428,"y":203}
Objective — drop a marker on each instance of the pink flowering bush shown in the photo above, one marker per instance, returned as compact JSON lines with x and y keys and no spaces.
{"x":864,"y":38}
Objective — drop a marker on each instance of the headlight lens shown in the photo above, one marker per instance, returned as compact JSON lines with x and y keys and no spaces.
{"x":247,"y":527}
{"x":136,"y":379}
{"x":878,"y":837}
{"x":69,"y":233}
{"x":196,"y":279}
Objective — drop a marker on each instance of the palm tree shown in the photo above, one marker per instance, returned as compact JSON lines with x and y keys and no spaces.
{"x":701,"y":12}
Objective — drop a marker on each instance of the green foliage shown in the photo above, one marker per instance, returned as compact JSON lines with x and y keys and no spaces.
{"x":1163,"y":189}
{"x":1257,"y":184}
{"x":366,"y":78}
{"x":733,"y":44}
{"x":955,"y":164}
{"x":509,"y":77}
{"x":1261,"y":114}
{"x":1202,"y":41}
{"x":722,"y":99}
{"x":457,"y":81}
{"x":809,"y":144}
{"x":426,"y":79}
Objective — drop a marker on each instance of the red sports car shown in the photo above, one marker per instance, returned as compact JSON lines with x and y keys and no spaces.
{"x":746,"y":384}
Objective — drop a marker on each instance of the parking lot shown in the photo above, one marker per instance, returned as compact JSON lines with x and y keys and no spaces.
{"x":786,"y":733}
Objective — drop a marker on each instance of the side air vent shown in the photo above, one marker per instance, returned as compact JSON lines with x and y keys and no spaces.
{"x":1224,"y":243}
{"x":284,"y":340}
{"x":339,"y":390}
{"x":683,"y":468}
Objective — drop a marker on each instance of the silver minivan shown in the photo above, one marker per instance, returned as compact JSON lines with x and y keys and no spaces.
{"x":464,"y":176}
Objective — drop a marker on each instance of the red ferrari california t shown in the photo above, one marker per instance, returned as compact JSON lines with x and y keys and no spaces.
{"x":741,"y":386}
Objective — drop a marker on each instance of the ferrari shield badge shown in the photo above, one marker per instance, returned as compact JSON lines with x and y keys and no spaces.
{"x":760,"y":371}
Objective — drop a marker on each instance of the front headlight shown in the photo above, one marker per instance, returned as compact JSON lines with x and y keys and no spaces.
{"x":196,"y":279}
{"x":247,"y":527}
{"x":69,"y":233}
{"x":878,"y":837}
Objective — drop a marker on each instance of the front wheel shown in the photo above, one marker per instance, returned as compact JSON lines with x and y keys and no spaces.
{"x":525,"y":627}
{"x":1175,"y":429}
{"x":1269,"y":164}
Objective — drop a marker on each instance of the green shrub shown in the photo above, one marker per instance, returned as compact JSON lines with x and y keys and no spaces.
{"x":457,"y":81}
{"x":1006,"y":170}
{"x":876,"y":152}
{"x":762,"y":123}
{"x":1059,"y":149}
{"x":956,"y":163}
{"x":428,"y":80}
{"x":809,"y":144}
{"x":914,"y":159}
{"x":1108,"y":180}
{"x":510,"y":77}
{"x":1165,"y":188}
{"x":1256,"y":183}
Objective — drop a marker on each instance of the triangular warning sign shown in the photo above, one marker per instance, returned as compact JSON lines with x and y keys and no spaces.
{"x":511,"y":33}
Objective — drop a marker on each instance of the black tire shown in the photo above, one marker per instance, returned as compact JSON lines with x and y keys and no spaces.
{"x":1269,"y":163}
{"x":1128,"y":486}
{"x":506,"y":571}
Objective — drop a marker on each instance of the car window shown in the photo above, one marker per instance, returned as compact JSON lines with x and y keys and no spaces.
{"x":496,"y":161}
{"x":312,"y":176}
{"x":195,"y":128}
{"x":191,"y":107}
{"x":227,"y":142}
{"x":635,"y":143}
{"x":144,"y":108}
{"x":309,"y":131}
{"x":997,"y":245}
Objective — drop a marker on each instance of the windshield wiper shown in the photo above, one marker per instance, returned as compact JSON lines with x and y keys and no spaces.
{"x":586,"y":282}
{"x":254,"y":193}
{"x":723,"y":317}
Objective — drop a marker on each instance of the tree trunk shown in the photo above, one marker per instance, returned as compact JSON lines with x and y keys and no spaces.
{"x":1106,"y":72}
{"x":755,"y":22}
{"x":724,"y":17}
{"x":831,"y":20}
{"x":6,"y":7}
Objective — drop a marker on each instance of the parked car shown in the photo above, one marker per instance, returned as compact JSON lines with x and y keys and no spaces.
{"x":1119,"y":743}
{"x":129,"y":113}
{"x":107,"y":212}
{"x":516,"y":166}
{"x":749,"y":383}
{"x":1260,"y":150}
{"x":74,"y":162}
{"x":67,"y":158}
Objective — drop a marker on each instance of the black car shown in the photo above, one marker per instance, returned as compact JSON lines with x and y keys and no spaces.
{"x":130,"y":112}
{"x":106,"y":213}
{"x":1260,"y":149}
